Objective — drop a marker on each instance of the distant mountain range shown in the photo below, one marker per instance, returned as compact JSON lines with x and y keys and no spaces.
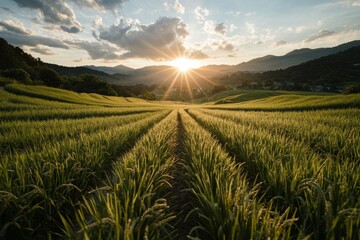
{"x":111,"y":70}
{"x":262,"y":64}
{"x":13,"y":57}
{"x":329,"y":73}
{"x":296,"y":57}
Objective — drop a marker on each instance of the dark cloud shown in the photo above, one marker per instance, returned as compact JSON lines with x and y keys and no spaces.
{"x":226,"y":46}
{"x":197,"y":54}
{"x":280,"y":43}
{"x":321,"y":34}
{"x":14,"y":27}
{"x":97,"y":50}
{"x":100,"y":4}
{"x":54,"y":12}
{"x":43,"y":51}
{"x":58,"y":12}
{"x":70,"y":29}
{"x":7,"y":9}
{"x":220,"y":28}
{"x":158,"y":41}
{"x":21,"y":39}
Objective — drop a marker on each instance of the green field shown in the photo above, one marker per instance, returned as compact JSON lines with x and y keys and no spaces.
{"x":239,"y":165}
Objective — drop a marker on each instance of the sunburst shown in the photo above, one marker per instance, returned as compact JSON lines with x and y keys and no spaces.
{"x":184,"y":64}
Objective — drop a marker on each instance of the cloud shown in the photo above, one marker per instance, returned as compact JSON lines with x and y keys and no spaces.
{"x":232,"y":28}
{"x":220,"y":28}
{"x":159,"y":41}
{"x":70,"y":29}
{"x":250,"y":28}
{"x":42,"y":51}
{"x":300,"y":29}
{"x":100,"y":4}
{"x":223,"y":45}
{"x":226,"y":46}
{"x":24,"y":39}
{"x":249,"y":14}
{"x":7,"y":9}
{"x":54,"y":12}
{"x":97,"y":50}
{"x":178,"y":7}
{"x":15,"y":27}
{"x":356,"y":3}
{"x":209,"y":27}
{"x":321,"y":34}
{"x":279,"y":43}
{"x":197,"y":54}
{"x":201,"y":13}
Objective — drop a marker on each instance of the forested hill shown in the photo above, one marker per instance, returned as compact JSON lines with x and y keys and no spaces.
{"x":17,"y":65}
{"x":333,"y":72}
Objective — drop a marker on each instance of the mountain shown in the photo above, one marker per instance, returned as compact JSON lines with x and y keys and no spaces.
{"x":330,"y":73}
{"x":293,"y":58}
{"x":112,"y":70}
{"x":15,"y":57}
{"x":73,"y":71}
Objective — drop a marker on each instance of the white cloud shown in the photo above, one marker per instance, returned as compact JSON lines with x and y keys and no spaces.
{"x":209,"y":27}
{"x":159,"y":41}
{"x":356,"y":3}
{"x":201,"y":13}
{"x":250,"y":28}
{"x":179,"y":8}
{"x":249,"y":14}
{"x":232,"y":28}
{"x":16,"y":27}
{"x":299,"y":29}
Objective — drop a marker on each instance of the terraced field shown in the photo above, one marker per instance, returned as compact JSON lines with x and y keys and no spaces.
{"x":86,"y":166}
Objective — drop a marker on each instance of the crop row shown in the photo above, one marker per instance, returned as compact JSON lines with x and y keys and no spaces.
{"x":37,"y":135}
{"x":36,"y":185}
{"x":227,"y":205}
{"x":86,"y":112}
{"x":132,"y":203}
{"x":328,"y":132}
{"x":323,"y":191}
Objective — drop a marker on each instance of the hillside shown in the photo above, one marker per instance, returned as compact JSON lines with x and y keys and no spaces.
{"x":327,"y":73}
{"x":293,"y":58}
{"x":60,"y":95}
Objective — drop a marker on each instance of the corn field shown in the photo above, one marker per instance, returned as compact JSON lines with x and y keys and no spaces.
{"x":97,"y":167}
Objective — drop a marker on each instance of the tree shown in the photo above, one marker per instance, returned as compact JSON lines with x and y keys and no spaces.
{"x":50,"y":77}
{"x":353,"y":88}
{"x":218,"y":88}
{"x":17,"y":74}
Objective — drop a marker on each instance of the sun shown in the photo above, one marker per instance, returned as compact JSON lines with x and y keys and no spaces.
{"x":184,"y":64}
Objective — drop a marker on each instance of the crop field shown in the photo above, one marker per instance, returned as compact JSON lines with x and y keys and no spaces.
{"x":87,"y":166}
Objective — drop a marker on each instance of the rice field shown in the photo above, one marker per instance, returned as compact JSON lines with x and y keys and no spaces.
{"x":87,"y":166}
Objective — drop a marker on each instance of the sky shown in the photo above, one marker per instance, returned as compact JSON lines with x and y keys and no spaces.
{"x":138,"y":33}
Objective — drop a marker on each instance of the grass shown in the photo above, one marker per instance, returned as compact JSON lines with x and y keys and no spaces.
{"x":253,"y":165}
{"x":291,"y":102}
{"x":236,"y":96}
